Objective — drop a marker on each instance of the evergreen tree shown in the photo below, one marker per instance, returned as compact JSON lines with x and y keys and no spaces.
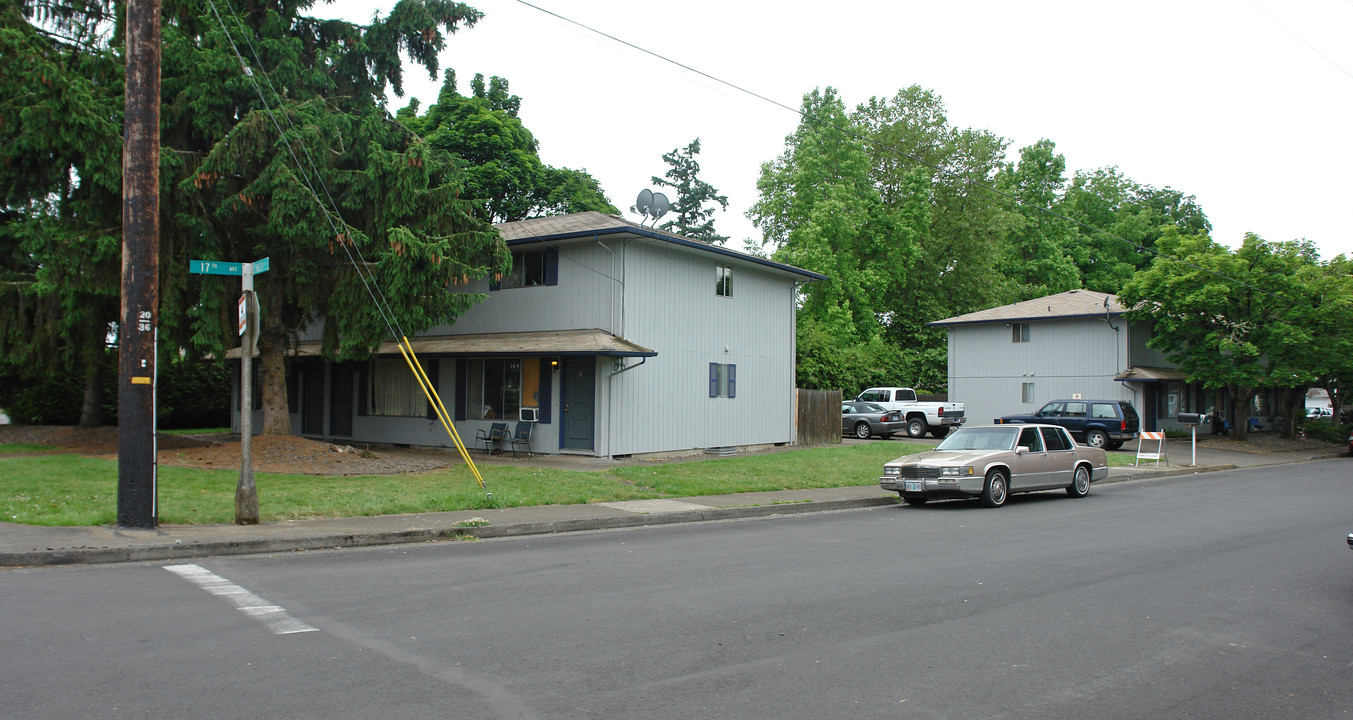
{"x":693,"y":219}
{"x":60,"y":175}
{"x":237,"y":181}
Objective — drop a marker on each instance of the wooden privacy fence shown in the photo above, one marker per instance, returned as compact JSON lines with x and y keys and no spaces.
{"x":818,"y":417}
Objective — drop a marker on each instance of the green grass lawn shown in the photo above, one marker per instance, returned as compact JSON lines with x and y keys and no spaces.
{"x":68,"y":489}
{"x":6,"y":448}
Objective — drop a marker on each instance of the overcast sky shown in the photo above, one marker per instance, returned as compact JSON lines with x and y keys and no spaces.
{"x":1244,"y":104}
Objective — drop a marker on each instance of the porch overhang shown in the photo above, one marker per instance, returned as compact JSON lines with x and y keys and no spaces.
{"x":1150,"y":374}
{"x":527,"y":344}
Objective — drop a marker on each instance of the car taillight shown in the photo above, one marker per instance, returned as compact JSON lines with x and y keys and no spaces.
{"x":1122,"y":425}
{"x":941,"y":412}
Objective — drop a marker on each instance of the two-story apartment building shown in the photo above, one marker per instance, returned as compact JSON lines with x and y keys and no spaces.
{"x":611,"y":337}
{"x":1015,"y":358}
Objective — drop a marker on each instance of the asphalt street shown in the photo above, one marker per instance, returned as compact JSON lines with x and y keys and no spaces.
{"x":1220,"y":595}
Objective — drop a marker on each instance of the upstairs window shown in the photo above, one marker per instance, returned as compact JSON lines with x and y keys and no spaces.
{"x":723,"y":281}
{"x":530,"y":268}
{"x":1019,"y":332}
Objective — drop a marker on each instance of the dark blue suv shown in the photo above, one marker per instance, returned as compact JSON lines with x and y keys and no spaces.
{"x":1098,"y":423}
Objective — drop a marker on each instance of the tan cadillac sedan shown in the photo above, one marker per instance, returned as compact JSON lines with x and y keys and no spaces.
{"x":990,"y":462}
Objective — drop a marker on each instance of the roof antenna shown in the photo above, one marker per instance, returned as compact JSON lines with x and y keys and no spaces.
{"x":651,"y":206}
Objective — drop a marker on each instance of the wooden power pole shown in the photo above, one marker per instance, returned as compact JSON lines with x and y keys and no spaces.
{"x":139,"y":323}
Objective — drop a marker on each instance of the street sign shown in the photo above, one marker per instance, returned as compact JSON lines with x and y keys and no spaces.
{"x":214,"y":267}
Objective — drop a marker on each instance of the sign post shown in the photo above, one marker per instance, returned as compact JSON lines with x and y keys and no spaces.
{"x":1193,"y":420}
{"x":246,"y":494}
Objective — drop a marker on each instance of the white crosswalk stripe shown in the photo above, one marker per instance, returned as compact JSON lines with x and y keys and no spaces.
{"x":274,"y":616}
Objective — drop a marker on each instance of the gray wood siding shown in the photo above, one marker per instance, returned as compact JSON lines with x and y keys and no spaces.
{"x":1062,"y":358}
{"x":585,"y":298}
{"x":671,"y":306}
{"x":1139,"y":354}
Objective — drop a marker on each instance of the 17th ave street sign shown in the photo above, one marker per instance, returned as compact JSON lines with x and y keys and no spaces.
{"x":216,"y":267}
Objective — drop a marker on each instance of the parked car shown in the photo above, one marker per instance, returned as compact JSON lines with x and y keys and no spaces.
{"x":1097,"y":423}
{"x":1315,"y":413}
{"x":865,"y":420}
{"x":1350,"y":443}
{"x":990,"y":462}
{"x":936,"y":418}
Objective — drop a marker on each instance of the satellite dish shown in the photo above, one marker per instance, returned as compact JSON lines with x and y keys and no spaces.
{"x":660,"y":206}
{"x":644,"y":203}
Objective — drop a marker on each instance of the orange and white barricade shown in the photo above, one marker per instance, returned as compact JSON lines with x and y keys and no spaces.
{"x":1159,"y":439}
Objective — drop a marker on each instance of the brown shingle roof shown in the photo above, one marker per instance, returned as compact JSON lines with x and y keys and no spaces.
{"x":1072,"y":303}
{"x":584,"y":224}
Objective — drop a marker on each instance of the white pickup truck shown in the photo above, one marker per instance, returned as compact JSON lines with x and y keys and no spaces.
{"x":936,"y":417}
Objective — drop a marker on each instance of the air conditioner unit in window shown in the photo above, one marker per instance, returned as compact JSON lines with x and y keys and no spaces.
{"x":529,"y":414}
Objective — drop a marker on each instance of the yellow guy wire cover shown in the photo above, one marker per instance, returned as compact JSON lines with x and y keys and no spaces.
{"x":424,"y":382}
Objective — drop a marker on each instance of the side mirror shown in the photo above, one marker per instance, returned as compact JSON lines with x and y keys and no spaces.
{"x":1022,"y":449}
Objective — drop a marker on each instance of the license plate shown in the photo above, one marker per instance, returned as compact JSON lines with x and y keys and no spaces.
{"x":913,"y":486}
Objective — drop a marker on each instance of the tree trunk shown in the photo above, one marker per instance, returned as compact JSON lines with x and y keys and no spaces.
{"x":91,"y":409}
{"x":1295,"y":412}
{"x":1240,"y":409}
{"x":273,"y":377}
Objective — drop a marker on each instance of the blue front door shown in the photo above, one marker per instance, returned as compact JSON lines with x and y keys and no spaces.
{"x":579,"y":382}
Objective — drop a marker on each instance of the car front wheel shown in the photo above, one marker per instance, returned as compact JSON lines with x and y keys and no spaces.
{"x":1096,"y":438}
{"x":996,"y":489}
{"x":916,"y":427}
{"x":862,"y":430}
{"x":1080,"y":483}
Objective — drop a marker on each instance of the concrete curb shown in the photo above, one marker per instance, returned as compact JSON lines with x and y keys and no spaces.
{"x":159,"y":552}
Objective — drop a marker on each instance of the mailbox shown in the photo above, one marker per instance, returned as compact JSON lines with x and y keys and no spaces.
{"x":1192,"y":418}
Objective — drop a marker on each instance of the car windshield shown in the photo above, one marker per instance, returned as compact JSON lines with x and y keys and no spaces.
{"x":989,"y":438}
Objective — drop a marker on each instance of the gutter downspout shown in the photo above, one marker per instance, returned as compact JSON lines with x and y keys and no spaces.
{"x":794,"y":360}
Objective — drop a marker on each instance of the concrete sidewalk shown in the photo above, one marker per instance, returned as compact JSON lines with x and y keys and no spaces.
{"x":28,"y":545}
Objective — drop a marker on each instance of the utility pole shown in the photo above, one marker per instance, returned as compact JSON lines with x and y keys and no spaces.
{"x":139,"y":319}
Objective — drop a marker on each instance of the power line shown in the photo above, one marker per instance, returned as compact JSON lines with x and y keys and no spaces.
{"x":897,"y":151}
{"x":1301,"y":39}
